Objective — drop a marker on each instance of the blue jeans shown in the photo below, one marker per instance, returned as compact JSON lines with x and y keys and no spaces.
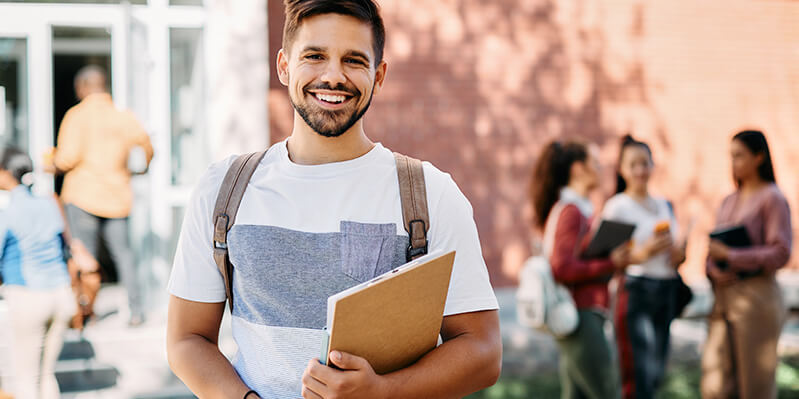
{"x":644,"y":311}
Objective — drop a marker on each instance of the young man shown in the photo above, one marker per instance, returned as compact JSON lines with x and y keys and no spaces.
{"x":322,"y":213}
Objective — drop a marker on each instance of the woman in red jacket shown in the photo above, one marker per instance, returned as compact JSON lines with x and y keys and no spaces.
{"x":564,"y":176}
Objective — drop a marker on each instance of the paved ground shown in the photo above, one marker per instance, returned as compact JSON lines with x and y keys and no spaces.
{"x":139,"y":355}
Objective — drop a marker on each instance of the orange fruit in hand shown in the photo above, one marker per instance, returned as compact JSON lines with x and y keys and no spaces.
{"x":662,"y":227}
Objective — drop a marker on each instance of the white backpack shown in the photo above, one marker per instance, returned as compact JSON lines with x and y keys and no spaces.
{"x":542,"y":303}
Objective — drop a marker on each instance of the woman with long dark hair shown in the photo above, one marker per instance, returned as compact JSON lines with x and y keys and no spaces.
{"x":647,"y":295}
{"x":740,"y":355}
{"x":564,"y":176}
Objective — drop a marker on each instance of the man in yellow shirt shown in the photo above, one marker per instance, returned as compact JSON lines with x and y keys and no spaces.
{"x":94,"y":143}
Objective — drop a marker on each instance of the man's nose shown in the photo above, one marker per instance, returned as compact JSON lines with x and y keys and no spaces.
{"x":333,"y":74}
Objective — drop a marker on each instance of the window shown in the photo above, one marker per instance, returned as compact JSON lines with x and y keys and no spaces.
{"x":14,"y":93}
{"x":190,"y":152}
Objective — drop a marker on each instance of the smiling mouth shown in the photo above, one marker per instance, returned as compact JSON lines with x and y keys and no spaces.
{"x":332,"y":99}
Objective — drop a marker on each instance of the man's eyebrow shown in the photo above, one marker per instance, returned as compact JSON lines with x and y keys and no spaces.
{"x":356,"y":53}
{"x":313,"y":49}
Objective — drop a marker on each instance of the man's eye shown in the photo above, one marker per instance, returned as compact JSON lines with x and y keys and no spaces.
{"x":313,"y":57}
{"x":355,"y":61}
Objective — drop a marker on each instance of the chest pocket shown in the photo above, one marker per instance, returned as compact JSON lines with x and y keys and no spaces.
{"x":369,"y":250}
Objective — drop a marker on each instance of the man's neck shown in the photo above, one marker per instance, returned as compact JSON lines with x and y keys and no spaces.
{"x":306,"y":147}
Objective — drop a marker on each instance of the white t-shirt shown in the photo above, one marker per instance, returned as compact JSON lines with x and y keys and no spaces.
{"x":304,"y":233}
{"x":622,"y":208}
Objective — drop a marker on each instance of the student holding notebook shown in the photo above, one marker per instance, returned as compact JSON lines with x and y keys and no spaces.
{"x":740,"y":356}
{"x":322,"y":212}
{"x":647,"y":295}
{"x":564,"y":176}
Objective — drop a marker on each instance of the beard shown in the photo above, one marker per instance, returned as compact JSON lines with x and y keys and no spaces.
{"x":331,"y":123}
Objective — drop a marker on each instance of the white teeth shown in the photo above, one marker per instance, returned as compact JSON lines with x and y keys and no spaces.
{"x":330,"y":98}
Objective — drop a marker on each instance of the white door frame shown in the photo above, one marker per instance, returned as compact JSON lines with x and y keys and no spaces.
{"x":34,"y":22}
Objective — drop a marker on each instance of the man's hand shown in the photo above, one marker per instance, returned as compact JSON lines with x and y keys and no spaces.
{"x":47,"y":161}
{"x":355,"y":380}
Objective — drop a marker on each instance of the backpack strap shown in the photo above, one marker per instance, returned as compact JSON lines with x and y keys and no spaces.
{"x":227,"y":206}
{"x":413,"y":197}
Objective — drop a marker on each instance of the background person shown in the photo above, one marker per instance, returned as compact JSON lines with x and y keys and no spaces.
{"x":564,"y":176}
{"x":740,"y":356}
{"x":36,"y":283}
{"x":647,"y":298}
{"x":94,"y":143}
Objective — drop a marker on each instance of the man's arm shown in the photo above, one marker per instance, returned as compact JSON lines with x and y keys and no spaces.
{"x":469,"y":360}
{"x":68,"y":151}
{"x":193,"y":352}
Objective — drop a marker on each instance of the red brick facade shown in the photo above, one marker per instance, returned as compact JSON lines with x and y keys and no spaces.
{"x":477,"y":87}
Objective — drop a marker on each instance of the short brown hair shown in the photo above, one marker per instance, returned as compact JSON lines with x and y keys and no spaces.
{"x":364,"y":10}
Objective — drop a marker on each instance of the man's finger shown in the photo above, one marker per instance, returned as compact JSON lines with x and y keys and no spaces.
{"x":312,"y":386}
{"x":346,"y":361}
{"x":320,"y":372}
{"x":307,"y":393}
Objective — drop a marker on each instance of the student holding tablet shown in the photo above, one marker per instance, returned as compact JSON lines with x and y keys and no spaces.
{"x":565,"y":174}
{"x":647,"y":297}
{"x":740,"y":355}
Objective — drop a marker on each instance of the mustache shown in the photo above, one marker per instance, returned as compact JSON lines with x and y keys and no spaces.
{"x":339,"y":87}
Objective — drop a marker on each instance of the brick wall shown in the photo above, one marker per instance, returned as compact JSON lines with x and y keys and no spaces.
{"x":477,"y":88}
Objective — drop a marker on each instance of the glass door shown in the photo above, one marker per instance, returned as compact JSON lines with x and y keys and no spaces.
{"x":14,"y":92}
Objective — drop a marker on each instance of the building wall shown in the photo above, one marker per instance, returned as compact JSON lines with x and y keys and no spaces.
{"x":479,"y":87}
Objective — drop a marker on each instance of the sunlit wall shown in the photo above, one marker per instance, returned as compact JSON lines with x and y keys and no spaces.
{"x":477,"y":87}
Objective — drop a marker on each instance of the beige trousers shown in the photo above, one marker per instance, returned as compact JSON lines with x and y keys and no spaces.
{"x":38,"y":320}
{"x":740,"y":356}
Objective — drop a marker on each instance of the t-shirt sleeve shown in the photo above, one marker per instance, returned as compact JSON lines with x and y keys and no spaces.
{"x":452,"y":227}
{"x":195,"y":276}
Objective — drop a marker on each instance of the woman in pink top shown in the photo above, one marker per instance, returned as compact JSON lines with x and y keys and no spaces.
{"x":740,"y":355}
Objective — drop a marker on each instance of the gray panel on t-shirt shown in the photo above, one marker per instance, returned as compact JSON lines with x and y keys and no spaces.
{"x":283,"y":277}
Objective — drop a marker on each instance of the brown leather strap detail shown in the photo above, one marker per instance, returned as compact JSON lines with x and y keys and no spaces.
{"x":227,"y":204}
{"x":413,"y":197}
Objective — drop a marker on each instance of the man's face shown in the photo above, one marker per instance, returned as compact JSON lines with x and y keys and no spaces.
{"x":330,"y":72}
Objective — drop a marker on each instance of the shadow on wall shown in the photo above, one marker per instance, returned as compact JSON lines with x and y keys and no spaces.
{"x":479,"y":87}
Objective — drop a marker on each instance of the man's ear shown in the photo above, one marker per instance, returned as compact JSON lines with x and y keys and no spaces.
{"x":380,"y":76}
{"x":283,"y":67}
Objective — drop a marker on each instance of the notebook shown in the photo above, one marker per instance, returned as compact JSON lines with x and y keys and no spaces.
{"x":609,"y":236}
{"x":735,"y":237}
{"x":393,"y":319}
